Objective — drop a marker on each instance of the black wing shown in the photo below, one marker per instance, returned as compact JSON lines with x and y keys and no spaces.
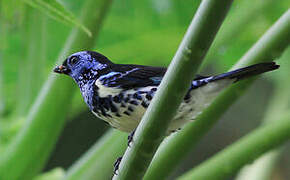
{"x":135,"y":76}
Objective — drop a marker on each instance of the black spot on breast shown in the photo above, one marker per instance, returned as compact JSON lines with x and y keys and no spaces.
{"x":148,"y":96}
{"x":127,"y":113}
{"x":113,"y":108}
{"x":144,"y":104}
{"x":95,"y":87}
{"x":154,"y":89}
{"x":130,"y":109}
{"x":127,"y":99}
{"x":116,"y":99}
{"x":187,"y":97}
{"x":137,"y":96}
{"x":103,"y":112}
{"x":104,"y":103}
{"x":133,"y":102}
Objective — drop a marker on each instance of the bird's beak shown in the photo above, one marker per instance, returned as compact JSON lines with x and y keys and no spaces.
{"x":61,"y":69}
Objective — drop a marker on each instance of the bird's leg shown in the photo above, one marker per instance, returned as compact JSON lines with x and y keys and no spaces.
{"x":130,"y":137}
{"x":118,"y":161}
{"x":117,"y":164}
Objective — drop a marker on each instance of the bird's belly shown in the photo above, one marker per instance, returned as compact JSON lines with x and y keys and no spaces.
{"x":125,"y":122}
{"x":130,"y":113}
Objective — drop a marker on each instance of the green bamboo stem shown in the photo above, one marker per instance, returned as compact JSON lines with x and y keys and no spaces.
{"x":99,"y":159}
{"x":2,"y":100}
{"x":262,"y":168}
{"x":3,"y":34}
{"x":170,"y":154}
{"x":30,"y":70}
{"x":230,"y":160}
{"x":30,"y":149}
{"x":173,"y":88}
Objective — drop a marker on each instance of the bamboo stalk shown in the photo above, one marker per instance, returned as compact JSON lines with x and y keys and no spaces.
{"x":173,"y":88}
{"x":269,"y":47}
{"x":227,"y":162}
{"x":99,"y":159}
{"x":263,"y":167}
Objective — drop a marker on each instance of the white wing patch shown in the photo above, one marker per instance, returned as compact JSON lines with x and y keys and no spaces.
{"x":105,"y":91}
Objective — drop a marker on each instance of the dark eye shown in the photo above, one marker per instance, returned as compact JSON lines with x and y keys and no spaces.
{"x":74,"y":60}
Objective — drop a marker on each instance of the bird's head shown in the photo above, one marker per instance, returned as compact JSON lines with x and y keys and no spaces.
{"x":82,"y":63}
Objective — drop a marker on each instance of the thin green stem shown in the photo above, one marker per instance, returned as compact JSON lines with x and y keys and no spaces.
{"x":171,"y":153}
{"x":99,"y":159}
{"x":262,"y":168}
{"x":2,"y":100}
{"x":30,"y":149}
{"x":230,"y":160}
{"x":3,"y":35}
{"x":30,"y":70}
{"x":173,"y":88}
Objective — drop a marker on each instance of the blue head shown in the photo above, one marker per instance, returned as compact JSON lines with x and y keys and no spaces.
{"x":84,"y":64}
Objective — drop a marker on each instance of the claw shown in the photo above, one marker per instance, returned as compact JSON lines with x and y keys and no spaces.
{"x":117,"y":164}
{"x":130,"y":137}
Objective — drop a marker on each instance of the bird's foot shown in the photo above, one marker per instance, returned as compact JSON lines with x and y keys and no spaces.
{"x":130,"y":137}
{"x":117,"y":164}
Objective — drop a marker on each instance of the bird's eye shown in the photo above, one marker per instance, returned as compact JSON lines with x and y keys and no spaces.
{"x":73,"y":60}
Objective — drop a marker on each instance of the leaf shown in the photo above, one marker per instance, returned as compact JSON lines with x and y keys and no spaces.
{"x":58,"y":12}
{"x":54,"y":174}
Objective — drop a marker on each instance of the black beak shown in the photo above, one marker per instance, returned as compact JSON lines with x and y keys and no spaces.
{"x":61,"y":69}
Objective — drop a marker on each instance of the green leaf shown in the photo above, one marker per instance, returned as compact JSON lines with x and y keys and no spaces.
{"x":54,"y":174}
{"x":57,"y":11}
{"x":99,"y":159}
{"x":34,"y":142}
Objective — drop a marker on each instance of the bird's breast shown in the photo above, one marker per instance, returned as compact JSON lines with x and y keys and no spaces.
{"x":122,"y":109}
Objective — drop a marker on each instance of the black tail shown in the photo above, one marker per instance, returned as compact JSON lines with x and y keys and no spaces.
{"x":248,"y":71}
{"x":238,"y":74}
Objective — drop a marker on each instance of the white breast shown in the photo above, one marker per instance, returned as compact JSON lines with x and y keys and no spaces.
{"x":199,"y":100}
{"x":105,"y":91}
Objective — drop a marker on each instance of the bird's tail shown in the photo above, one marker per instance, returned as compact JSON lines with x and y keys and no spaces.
{"x":248,"y":71}
{"x":238,"y":74}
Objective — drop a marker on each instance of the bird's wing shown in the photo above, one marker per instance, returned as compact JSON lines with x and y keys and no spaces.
{"x":134,"y":76}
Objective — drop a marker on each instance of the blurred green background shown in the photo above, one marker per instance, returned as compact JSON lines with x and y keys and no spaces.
{"x":138,"y":32}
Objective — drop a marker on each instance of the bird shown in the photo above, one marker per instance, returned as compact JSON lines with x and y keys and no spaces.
{"x":120,"y":93}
